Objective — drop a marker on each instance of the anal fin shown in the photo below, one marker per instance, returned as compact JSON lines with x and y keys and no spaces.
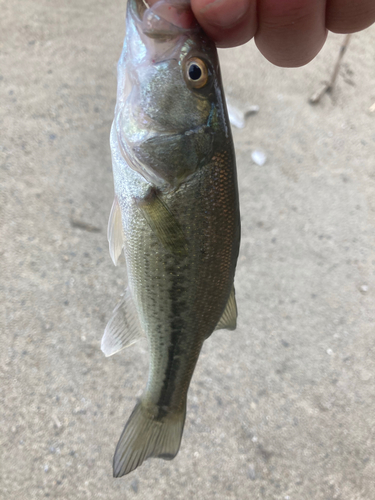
{"x":123,"y":329}
{"x":228,"y":319}
{"x":115,"y":233}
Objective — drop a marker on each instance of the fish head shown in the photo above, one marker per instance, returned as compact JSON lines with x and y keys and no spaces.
{"x":170,"y":112}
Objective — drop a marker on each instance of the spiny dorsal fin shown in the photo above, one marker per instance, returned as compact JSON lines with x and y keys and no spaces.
{"x":115,"y":233}
{"x":163,"y":223}
{"x":228,"y":319}
{"x":123,"y":329}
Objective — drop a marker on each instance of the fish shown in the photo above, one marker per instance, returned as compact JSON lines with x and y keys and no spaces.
{"x":175,"y":216}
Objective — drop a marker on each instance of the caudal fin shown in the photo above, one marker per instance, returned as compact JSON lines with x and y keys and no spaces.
{"x":144,"y":437}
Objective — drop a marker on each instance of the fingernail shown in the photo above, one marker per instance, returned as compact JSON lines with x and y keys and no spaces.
{"x":224,"y":13}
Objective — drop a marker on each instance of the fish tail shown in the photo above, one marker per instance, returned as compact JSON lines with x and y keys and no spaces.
{"x":144,"y":436}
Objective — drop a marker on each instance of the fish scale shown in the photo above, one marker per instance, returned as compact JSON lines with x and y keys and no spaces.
{"x":179,"y":229}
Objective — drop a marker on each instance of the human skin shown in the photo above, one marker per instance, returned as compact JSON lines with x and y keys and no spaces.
{"x":289,"y":33}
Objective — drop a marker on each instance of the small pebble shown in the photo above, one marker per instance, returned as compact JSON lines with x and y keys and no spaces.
{"x":251,"y":473}
{"x":135,"y":485}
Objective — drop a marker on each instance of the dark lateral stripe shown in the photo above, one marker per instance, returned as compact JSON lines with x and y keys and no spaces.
{"x":178,"y":307}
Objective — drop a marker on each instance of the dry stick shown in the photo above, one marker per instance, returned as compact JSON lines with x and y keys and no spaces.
{"x":327,"y":87}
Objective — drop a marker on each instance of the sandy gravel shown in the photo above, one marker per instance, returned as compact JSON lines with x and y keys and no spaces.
{"x":283,"y":408}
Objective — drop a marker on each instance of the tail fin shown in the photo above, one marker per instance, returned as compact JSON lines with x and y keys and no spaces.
{"x":144,"y":437}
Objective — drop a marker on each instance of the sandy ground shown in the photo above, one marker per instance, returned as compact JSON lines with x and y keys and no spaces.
{"x":283,"y":408}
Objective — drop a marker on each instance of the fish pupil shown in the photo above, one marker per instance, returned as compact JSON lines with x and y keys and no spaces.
{"x":194,"y":72}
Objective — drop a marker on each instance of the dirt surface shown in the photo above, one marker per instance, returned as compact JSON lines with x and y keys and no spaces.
{"x":282,"y":408}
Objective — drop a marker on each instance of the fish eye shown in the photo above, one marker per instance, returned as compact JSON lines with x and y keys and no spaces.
{"x":196,"y":73}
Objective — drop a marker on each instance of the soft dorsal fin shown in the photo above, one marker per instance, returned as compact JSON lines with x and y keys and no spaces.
{"x":123,"y":329}
{"x":115,"y":233}
{"x":228,"y":319}
{"x":163,"y":223}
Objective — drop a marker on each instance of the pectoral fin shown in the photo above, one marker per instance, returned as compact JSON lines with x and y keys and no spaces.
{"x":115,"y":233}
{"x":123,"y":328}
{"x":228,"y":319}
{"x":163,"y":223}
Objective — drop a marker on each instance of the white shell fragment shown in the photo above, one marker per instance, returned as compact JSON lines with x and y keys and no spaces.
{"x":237,"y":116}
{"x":258,"y":157}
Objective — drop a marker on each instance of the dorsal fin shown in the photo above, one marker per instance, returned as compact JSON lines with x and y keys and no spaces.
{"x":115,"y":233}
{"x":228,"y":319}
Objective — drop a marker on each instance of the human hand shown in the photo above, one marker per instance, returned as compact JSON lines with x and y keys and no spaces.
{"x":289,"y":33}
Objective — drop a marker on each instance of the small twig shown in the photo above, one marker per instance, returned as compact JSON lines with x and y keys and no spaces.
{"x":328,"y":86}
{"x":84,"y":225}
{"x":56,"y":421}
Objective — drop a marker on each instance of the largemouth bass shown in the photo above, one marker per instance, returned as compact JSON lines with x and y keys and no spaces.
{"x":175,"y":215}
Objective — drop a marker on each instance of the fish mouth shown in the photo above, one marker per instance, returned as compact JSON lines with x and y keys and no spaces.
{"x":165,"y":18}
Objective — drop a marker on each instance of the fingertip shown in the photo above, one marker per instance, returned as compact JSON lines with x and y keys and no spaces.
{"x":291,"y":58}
{"x":346,"y":16}
{"x":291,"y":33}
{"x":228,"y":22}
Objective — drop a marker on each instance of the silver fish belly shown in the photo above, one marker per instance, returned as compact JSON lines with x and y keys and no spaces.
{"x":175,"y":216}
